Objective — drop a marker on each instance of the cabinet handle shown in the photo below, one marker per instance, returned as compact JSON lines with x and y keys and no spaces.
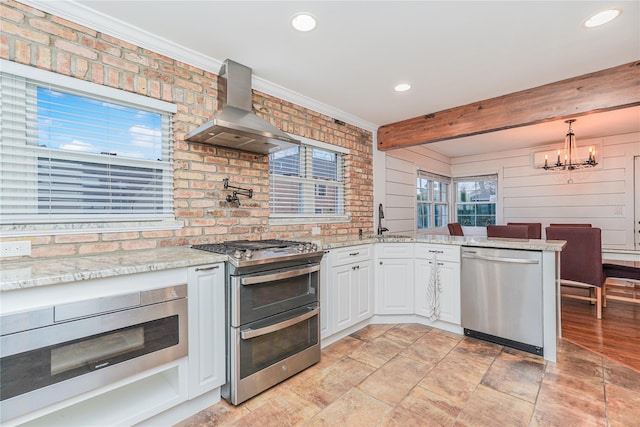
{"x":433,"y":251}
{"x":208,"y":268}
{"x":380,"y":262}
{"x":357,"y":267}
{"x":354,"y":253}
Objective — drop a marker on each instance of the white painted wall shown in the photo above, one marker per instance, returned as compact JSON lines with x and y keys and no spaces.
{"x":603,"y":196}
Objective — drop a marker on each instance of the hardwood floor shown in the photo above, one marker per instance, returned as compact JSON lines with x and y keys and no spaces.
{"x":616,"y":336}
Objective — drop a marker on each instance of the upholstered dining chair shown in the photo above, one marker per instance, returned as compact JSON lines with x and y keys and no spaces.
{"x":508,"y":231}
{"x":455,"y":229}
{"x":535,"y":228}
{"x":581,"y":262}
{"x":569,"y":225}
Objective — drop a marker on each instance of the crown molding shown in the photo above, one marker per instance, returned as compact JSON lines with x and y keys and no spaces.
{"x":83,"y":15}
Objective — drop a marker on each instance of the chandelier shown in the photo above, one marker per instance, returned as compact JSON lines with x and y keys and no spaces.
{"x":571,"y":161}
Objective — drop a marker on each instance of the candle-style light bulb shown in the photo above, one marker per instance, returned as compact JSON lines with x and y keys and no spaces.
{"x":558,"y":162}
{"x":546,"y":160}
{"x":590,"y":153}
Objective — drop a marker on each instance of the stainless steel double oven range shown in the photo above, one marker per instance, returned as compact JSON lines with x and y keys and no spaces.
{"x":273,"y":312}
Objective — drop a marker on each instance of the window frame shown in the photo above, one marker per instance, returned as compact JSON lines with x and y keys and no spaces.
{"x":56,"y":224}
{"x":310,"y":194}
{"x":476,"y":178}
{"x":431,"y":178}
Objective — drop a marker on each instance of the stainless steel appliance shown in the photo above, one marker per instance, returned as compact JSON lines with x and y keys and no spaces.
{"x":273,"y":314}
{"x":501,"y":297}
{"x":54,"y":353}
{"x":235,"y":125}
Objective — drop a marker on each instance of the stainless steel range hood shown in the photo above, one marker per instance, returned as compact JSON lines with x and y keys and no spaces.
{"x":235,"y":125}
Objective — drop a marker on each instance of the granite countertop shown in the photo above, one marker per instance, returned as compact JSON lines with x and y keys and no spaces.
{"x":478,"y":241}
{"x":33,"y":272}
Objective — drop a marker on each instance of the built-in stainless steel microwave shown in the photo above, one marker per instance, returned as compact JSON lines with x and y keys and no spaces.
{"x":51,"y":354}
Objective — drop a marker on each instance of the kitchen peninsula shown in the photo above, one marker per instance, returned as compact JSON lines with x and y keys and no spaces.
{"x":364,"y":280}
{"x":401,"y":269}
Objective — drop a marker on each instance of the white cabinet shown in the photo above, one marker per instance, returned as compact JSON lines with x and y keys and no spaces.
{"x":350,"y":286}
{"x":206,"y":328}
{"x":394,"y":281}
{"x":325,"y":296}
{"x":447,"y":259}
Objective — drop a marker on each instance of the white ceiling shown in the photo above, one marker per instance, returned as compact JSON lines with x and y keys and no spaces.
{"x":452,"y":52}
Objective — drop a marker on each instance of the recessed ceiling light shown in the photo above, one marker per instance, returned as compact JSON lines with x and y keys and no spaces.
{"x":602,"y":18}
{"x":303,"y":22}
{"x":402,"y":87}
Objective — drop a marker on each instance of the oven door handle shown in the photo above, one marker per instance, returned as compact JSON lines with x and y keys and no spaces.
{"x":252,"y":333}
{"x":278,"y":276}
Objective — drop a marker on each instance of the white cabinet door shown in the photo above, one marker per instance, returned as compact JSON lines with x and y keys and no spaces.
{"x":394,"y":286}
{"x":449,"y":289}
{"x":207,"y":350}
{"x":450,"y":295}
{"x":363,"y":290}
{"x":325,"y":296}
{"x":351,"y":294}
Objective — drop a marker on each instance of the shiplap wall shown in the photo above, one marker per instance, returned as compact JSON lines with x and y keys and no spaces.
{"x":400,"y":194}
{"x":603,"y":196}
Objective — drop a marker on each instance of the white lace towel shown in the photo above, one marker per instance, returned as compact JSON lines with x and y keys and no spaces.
{"x":433,"y":290}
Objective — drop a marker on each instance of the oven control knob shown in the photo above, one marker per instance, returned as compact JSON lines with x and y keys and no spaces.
{"x":237,"y":254}
{"x":300,"y":248}
{"x":248,"y":253}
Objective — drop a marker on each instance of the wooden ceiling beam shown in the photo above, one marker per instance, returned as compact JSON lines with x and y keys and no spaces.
{"x":610,"y":89}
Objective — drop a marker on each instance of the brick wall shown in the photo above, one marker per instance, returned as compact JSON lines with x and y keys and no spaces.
{"x":35,"y":38}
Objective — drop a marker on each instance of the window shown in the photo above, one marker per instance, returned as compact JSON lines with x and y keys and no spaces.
{"x":476,"y":200}
{"x":306,"y":181}
{"x":73,"y":153}
{"x":432,"y":200}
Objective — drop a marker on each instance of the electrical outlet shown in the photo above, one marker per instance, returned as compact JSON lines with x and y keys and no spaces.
{"x":315,"y":230}
{"x":618,"y":210}
{"x":17,"y":248}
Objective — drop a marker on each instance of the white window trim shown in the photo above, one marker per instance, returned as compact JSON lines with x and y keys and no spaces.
{"x":450,"y":203}
{"x":84,"y":86}
{"x":474,"y":230}
{"x":35,"y":229}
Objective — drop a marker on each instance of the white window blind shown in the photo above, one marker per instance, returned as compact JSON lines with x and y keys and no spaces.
{"x":73,"y":156}
{"x":306,"y":181}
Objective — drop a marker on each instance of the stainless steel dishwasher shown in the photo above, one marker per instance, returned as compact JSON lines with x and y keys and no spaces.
{"x":501,"y":297}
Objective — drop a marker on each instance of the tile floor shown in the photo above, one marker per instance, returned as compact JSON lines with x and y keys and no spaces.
{"x":413,"y":375}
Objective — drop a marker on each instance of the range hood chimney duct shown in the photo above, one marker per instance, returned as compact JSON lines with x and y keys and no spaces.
{"x":235,"y":125}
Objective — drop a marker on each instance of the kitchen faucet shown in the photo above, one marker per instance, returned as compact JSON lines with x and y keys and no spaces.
{"x":380,"y":216}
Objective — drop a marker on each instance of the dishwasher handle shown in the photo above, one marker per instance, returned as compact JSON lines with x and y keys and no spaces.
{"x":507,"y":260}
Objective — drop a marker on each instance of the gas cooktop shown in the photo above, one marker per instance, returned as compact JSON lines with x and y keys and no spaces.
{"x":251,"y":252}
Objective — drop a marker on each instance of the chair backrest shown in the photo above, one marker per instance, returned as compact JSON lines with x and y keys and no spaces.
{"x":509,"y":231}
{"x":455,"y":229}
{"x":581,"y":258}
{"x":569,"y":225}
{"x":535,"y":229}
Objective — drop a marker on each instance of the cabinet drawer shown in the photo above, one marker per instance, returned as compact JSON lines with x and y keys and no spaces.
{"x":351,"y":254}
{"x":394,"y":250}
{"x":444,"y":252}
